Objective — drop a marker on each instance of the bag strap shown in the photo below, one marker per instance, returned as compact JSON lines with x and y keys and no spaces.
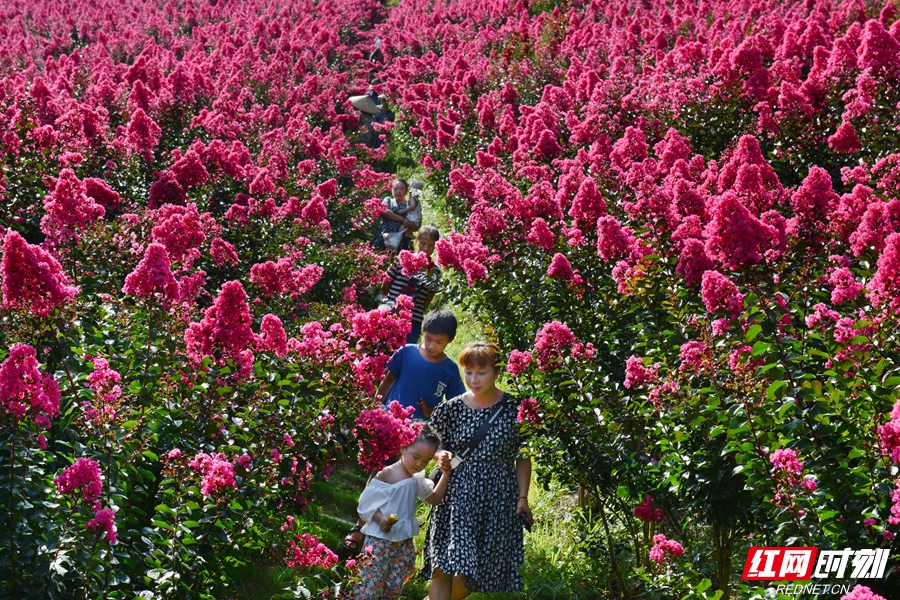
{"x":482,"y":431}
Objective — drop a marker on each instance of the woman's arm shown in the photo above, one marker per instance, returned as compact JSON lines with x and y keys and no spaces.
{"x":392,"y":216}
{"x":523,"y":482}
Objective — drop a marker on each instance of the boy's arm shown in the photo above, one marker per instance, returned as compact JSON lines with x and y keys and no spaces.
{"x":385,"y":386}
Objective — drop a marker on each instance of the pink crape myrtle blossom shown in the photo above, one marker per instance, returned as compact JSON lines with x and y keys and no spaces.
{"x":104,"y":522}
{"x":84,"y":476}
{"x":273,"y":338}
{"x":413,"y":262}
{"x":894,"y":519}
{"x":275,"y":278}
{"x":307,"y":551}
{"x":588,"y":204}
{"x":636,"y":374}
{"x":734,"y":237}
{"x":785,"y":462}
{"x":813,"y":201}
{"x":648,"y":511}
{"x":519,"y":362}
{"x":560,"y":268}
{"x":885,"y":285}
{"x":143,"y":133}
{"x":382,"y":433}
{"x":104,"y":381}
{"x":529,"y":412}
{"x":693,"y":356}
{"x":223,"y":253}
{"x":26,"y":393}
{"x":224,"y":331}
{"x":179,"y":229}
{"x":720,"y":293}
{"x":693,"y":262}
{"x":318,"y":343}
{"x":890,"y":435}
{"x":217,"y":474}
{"x":100,"y":192}
{"x":551,"y":343}
{"x":663,"y":550}
{"x":613,"y":240}
{"x":821,"y":315}
{"x":844,"y":287}
{"x":69,"y":210}
{"x":153,"y":275}
{"x":845,"y":140}
{"x":861,"y":592}
{"x":32,"y":279}
{"x":541,"y":235}
{"x":383,"y":326}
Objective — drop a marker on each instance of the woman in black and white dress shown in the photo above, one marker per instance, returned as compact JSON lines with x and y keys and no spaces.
{"x":475,"y":537}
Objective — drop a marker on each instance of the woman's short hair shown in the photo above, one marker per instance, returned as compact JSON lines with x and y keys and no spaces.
{"x":403,"y":181}
{"x":430,"y":232}
{"x":479,"y":355}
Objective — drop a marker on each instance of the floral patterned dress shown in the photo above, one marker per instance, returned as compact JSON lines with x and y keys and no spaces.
{"x":474,"y":531}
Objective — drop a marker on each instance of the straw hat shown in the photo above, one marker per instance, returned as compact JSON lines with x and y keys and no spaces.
{"x":366,"y":104}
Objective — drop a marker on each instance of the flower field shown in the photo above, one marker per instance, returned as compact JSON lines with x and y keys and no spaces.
{"x":681,"y":221}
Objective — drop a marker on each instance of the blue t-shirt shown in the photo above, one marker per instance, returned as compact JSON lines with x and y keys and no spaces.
{"x":418,"y":378}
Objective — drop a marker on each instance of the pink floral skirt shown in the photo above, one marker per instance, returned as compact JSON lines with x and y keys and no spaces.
{"x":383,"y":572}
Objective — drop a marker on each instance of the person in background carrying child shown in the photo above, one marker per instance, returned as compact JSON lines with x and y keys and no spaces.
{"x":422,"y":372}
{"x":388,"y":505}
{"x":391,"y":220}
{"x":413,"y":210}
{"x":421,"y":286}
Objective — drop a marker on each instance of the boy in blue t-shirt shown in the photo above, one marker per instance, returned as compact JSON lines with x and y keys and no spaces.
{"x":422,"y":375}
{"x":419,"y":371}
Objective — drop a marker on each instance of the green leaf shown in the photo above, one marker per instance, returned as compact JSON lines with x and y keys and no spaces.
{"x":773,"y":388}
{"x":760,"y":347}
{"x":164,"y":525}
{"x":752,"y":333}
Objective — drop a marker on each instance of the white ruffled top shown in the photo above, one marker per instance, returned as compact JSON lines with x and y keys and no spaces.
{"x":394,"y":498}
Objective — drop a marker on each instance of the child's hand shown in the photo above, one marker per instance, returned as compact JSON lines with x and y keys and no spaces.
{"x":387,"y":523}
{"x":444,"y":462}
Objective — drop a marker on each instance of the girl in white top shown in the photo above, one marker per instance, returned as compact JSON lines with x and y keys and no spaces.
{"x":388,"y":505}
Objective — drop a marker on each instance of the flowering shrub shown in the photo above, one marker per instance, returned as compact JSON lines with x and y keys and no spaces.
{"x":184,"y":217}
{"x":687,"y":216}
